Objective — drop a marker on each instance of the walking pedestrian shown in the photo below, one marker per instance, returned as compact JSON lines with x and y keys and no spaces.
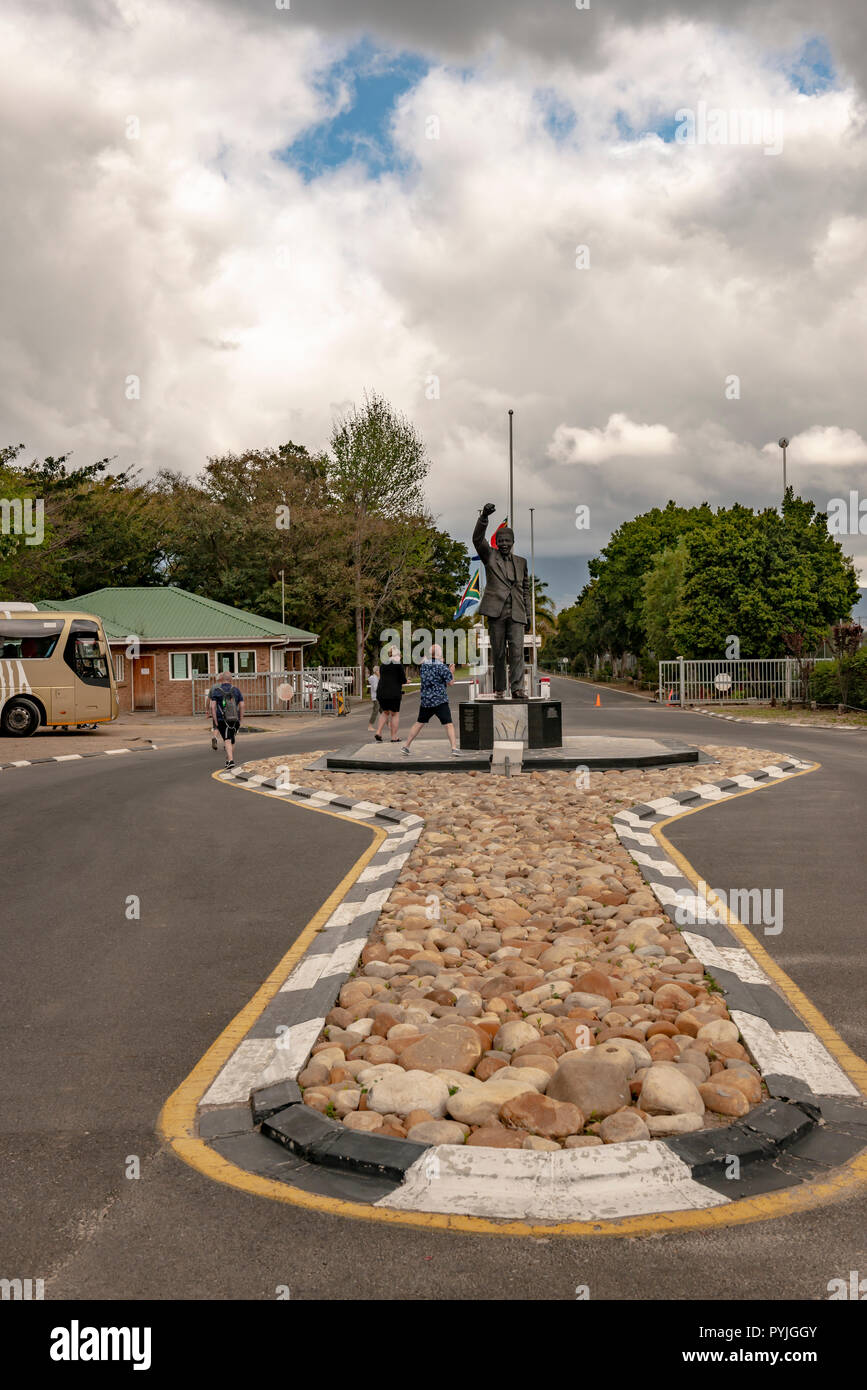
{"x":392,"y":679}
{"x":436,"y":678}
{"x":227,"y":711}
{"x":373,"y":685}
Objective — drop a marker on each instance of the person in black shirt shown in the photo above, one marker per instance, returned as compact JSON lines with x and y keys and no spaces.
{"x":392,"y":679}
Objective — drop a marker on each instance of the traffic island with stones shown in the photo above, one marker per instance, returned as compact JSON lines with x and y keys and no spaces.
{"x":521,"y":989}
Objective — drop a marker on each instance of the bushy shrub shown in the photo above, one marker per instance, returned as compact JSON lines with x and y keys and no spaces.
{"x":824,"y":686}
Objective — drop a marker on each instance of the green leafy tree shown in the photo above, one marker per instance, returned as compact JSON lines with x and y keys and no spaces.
{"x":663,"y":598}
{"x":376,"y":472}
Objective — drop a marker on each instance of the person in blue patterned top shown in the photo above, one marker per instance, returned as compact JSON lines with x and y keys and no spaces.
{"x":436,"y":678}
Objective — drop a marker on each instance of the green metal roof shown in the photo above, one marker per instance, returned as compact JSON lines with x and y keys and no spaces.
{"x":169,"y":614}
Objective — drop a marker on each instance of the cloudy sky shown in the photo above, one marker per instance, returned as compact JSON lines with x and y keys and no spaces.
{"x":640,"y":226}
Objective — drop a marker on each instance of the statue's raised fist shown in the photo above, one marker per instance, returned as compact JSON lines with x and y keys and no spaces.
{"x":488,"y":508}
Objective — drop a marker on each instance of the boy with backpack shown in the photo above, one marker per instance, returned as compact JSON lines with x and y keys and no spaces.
{"x":227,"y":709}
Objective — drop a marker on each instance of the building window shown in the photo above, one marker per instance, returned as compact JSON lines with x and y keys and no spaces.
{"x":246,"y":664}
{"x":118,"y":667}
{"x":184,"y":665}
{"x":225,"y":661}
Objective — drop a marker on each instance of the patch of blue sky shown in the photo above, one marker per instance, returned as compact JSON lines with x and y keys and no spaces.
{"x":812,"y":70}
{"x":558,"y":116}
{"x":366,"y":84}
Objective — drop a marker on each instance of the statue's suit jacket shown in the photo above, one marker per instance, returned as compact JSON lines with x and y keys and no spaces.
{"x":498,"y":586}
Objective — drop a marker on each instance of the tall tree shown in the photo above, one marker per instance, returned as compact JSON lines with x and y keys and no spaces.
{"x":376,"y":474}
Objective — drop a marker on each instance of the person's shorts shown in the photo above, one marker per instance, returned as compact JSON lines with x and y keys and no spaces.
{"x":390,"y":706}
{"x":226,"y":731}
{"x":442,"y":712}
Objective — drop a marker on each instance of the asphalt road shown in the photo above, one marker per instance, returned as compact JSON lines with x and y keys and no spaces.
{"x":104,"y":1016}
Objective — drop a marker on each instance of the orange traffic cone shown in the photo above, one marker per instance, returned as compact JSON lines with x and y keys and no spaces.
{"x":598,"y":702}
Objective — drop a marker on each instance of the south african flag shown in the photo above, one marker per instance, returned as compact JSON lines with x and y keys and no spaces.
{"x":470,"y":597}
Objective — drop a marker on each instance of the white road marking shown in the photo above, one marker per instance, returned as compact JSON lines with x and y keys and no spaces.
{"x":573,"y":1185}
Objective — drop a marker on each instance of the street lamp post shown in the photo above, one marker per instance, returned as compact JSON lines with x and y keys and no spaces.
{"x":784,"y":444}
{"x":511,"y":476}
{"x":283,"y":594}
{"x":533,"y":598}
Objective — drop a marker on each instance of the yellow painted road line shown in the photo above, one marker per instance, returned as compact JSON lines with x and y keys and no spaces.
{"x":177,"y":1125}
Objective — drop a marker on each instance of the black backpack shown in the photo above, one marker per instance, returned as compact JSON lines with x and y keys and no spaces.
{"x":230,"y":708}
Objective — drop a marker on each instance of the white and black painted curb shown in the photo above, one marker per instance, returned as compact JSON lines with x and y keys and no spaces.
{"x":815,"y":1121}
{"x":775,"y":723}
{"x":279,"y":1043}
{"x":147,"y":747}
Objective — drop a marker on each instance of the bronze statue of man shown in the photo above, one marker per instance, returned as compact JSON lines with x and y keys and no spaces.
{"x":505,"y":603}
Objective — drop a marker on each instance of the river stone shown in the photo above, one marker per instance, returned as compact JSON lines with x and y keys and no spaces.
{"x":597,"y":1087}
{"x":480,"y":1105}
{"x":437,"y":1132}
{"x":413,"y":1090}
{"x":624,"y":1127}
{"x":536,"y":1076}
{"x":535,"y":1141}
{"x":639,"y":1052}
{"x":582,"y":1141}
{"x":496,"y":1137}
{"x":538,"y":1061}
{"x":721,"y":1030}
{"x":724,"y":1097}
{"x":366,"y":1121}
{"x":666,"y":1091}
{"x":660,"y":1125}
{"x":553,"y":1119}
{"x":451,"y":1047}
{"x":619,"y":1056}
{"x":511,"y":1036}
{"x":745,"y":1081}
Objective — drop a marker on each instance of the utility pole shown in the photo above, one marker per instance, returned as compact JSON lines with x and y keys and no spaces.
{"x":784,"y":444}
{"x":533,"y":596}
{"x":511,"y":476}
{"x":283,"y":594}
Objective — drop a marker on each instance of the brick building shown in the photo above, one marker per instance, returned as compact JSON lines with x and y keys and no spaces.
{"x":165,"y":640}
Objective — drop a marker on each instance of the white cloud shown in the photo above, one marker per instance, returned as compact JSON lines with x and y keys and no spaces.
{"x":827,"y":445}
{"x":620,"y":438}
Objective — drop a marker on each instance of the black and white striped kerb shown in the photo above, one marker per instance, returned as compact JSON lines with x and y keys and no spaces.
{"x":795,"y":1064}
{"x":814,"y":1122}
{"x":279,"y":1043}
{"x":771,"y":724}
{"x":76,"y":757}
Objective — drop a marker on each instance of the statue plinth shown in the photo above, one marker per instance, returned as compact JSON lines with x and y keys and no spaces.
{"x":534,"y":722}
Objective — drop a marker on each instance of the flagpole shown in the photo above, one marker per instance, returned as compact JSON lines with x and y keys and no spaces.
{"x":511,"y":476}
{"x":533,"y":594}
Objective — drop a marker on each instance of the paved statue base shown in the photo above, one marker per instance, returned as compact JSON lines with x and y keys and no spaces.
{"x":430,"y":753}
{"x":534,"y":723}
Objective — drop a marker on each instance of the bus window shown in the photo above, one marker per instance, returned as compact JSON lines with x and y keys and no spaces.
{"x":25,"y":641}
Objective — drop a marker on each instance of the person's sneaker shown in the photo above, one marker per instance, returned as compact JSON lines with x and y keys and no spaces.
{"x":230,"y":763}
{"x":405,"y":751}
{"x":378,"y":738}
{"x":456,"y":752}
{"x":214,"y":743}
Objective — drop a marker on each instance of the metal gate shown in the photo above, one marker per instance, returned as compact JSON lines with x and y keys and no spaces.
{"x":745,"y":681}
{"x":316,"y":690}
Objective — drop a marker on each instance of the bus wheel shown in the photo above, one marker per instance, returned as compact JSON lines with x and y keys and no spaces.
{"x":20,"y":718}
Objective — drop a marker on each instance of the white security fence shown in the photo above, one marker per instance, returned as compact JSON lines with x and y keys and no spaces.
{"x":746,"y":681}
{"x":316,"y":690}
